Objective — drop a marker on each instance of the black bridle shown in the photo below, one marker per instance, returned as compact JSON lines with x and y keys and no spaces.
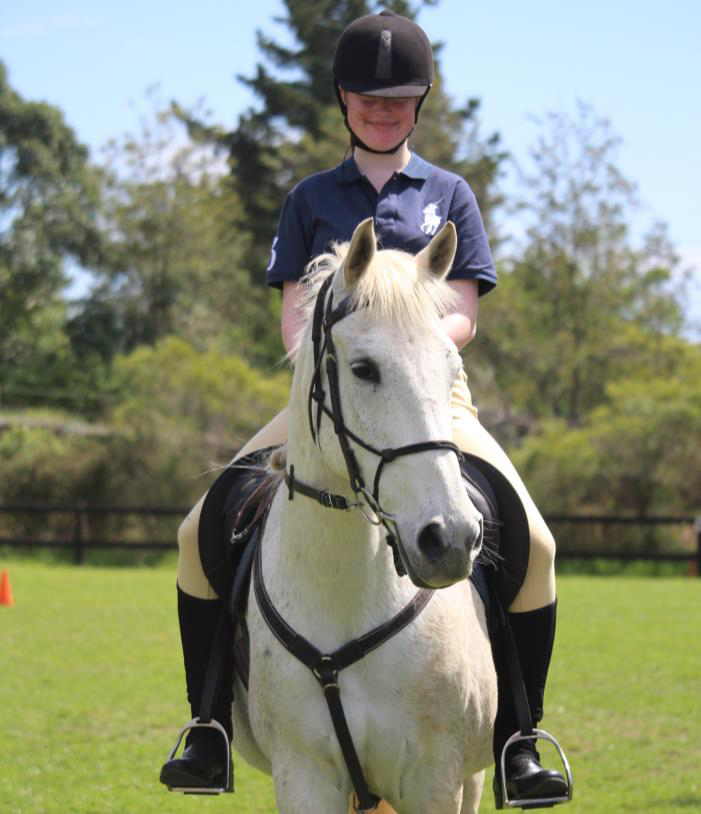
{"x":325,"y":317}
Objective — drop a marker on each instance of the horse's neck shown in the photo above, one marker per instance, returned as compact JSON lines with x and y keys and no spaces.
{"x":329,"y":571}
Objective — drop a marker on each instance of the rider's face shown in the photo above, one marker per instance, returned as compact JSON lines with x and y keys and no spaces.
{"x":380,"y":122}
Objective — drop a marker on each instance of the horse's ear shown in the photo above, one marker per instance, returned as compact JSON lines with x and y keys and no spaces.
{"x":438,"y":256}
{"x":360,"y":253}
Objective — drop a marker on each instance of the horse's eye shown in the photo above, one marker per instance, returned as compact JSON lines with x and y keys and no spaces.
{"x":366,"y":371}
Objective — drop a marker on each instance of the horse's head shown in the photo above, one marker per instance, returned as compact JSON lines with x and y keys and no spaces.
{"x":385,"y":369}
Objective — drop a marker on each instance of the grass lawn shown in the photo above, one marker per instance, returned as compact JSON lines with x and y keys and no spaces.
{"x":91,"y":694}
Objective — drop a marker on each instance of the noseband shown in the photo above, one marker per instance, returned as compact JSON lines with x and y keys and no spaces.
{"x":325,"y":317}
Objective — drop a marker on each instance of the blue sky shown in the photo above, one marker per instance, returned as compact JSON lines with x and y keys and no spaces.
{"x":637,"y":62}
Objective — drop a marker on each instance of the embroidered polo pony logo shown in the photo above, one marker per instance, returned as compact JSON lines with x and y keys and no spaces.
{"x":432,"y":220}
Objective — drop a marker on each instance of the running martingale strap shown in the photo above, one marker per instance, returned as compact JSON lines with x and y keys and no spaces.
{"x":326,"y":667}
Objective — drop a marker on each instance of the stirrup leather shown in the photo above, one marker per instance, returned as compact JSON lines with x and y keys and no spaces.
{"x":541,"y":801}
{"x":228,"y":786}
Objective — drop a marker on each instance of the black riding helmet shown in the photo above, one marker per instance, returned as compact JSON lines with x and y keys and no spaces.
{"x":383,"y":55}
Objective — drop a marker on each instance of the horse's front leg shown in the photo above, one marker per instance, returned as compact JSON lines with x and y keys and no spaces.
{"x":472,"y":792}
{"x":302,"y":787}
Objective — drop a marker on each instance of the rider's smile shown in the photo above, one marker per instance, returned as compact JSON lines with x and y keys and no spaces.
{"x":379,"y":121}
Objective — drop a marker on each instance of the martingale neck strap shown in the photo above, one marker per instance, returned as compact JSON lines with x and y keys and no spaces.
{"x":326,"y":667}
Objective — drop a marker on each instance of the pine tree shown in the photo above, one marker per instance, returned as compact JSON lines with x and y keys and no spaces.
{"x":48,"y":216}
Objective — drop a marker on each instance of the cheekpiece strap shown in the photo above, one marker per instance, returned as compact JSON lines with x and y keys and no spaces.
{"x":316,"y":391}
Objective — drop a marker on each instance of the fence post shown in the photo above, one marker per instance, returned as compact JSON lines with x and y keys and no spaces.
{"x":79,"y":555}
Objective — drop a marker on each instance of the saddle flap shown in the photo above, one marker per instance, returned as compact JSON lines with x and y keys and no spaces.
{"x":507,"y":536}
{"x":230,"y":518}
{"x":232,"y":508}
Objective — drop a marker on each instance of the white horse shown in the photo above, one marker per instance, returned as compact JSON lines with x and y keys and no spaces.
{"x":420,"y":708}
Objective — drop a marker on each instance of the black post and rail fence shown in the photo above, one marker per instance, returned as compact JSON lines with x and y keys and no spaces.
{"x":610,"y":528}
{"x":85,"y":529}
{"x":75,"y":531}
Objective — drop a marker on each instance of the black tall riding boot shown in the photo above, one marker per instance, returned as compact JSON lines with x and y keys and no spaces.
{"x":534,"y":636}
{"x":203,"y":763}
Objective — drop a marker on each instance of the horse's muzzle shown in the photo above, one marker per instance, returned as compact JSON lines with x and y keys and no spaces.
{"x":441,"y":557}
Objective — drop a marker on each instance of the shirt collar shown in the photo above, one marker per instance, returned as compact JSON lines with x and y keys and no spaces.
{"x":348,"y":172}
{"x":417,"y":168}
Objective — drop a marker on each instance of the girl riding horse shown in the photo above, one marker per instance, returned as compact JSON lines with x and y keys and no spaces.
{"x":382,"y":73}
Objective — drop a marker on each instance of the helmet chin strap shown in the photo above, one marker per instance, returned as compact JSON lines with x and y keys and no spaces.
{"x":356,"y":142}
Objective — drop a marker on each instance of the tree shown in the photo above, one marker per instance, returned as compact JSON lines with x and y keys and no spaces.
{"x":176,"y":417}
{"x":183,"y":411}
{"x":175,"y":251}
{"x":639,"y":452}
{"x":574,"y":306}
{"x":48,"y":205}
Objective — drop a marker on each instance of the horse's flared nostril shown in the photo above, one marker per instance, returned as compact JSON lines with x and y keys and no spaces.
{"x":432,"y":542}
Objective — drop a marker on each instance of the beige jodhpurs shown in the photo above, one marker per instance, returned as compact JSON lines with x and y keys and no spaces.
{"x":538,"y":589}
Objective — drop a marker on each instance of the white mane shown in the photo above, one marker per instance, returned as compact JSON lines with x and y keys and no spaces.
{"x":395,"y":288}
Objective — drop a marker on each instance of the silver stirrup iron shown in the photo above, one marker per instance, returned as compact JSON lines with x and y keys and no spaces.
{"x":541,"y":801}
{"x":228,"y":784}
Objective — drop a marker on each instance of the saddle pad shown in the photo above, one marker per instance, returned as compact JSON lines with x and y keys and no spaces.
{"x":507,"y":536}
{"x":236,"y":499}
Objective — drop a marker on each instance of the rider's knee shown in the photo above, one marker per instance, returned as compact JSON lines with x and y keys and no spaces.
{"x":543,"y":545}
{"x":191,"y":577}
{"x":538,"y":587}
{"x":187,"y":533}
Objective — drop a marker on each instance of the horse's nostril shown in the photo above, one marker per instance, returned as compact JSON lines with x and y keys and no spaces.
{"x":432,"y":542}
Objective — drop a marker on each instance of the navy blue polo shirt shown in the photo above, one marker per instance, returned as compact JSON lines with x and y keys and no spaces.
{"x":413,"y":205}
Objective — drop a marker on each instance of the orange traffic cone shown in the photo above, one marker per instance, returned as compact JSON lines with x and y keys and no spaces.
{"x":6,"y":590}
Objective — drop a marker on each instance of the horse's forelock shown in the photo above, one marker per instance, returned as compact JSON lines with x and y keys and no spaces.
{"x":394,"y":288}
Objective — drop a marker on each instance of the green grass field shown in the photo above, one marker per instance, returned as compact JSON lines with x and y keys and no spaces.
{"x":91,"y":694}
